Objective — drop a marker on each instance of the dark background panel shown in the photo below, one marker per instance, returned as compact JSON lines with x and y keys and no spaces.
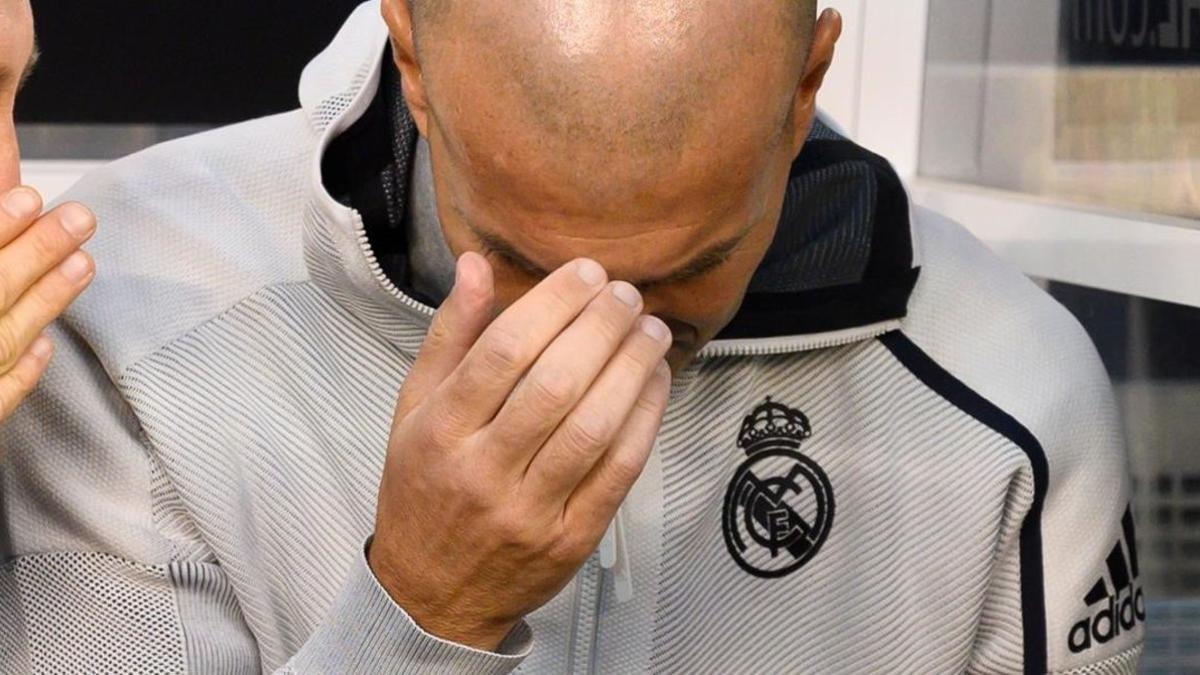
{"x":173,"y":62}
{"x":1161,"y":32}
{"x":1137,"y":338}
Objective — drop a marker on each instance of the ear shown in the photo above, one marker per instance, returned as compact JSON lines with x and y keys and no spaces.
{"x":820,"y":56}
{"x":399,"y":20}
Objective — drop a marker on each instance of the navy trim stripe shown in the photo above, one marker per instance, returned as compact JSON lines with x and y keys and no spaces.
{"x":1098,"y":593}
{"x":1117,"y":570}
{"x":888,"y":279}
{"x":1130,"y":539}
{"x":1033,"y":589}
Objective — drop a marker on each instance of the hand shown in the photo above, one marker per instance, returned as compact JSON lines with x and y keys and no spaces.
{"x":37,"y":278}
{"x":41,"y":272}
{"x":513,"y":445}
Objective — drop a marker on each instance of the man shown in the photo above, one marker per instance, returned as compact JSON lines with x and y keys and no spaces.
{"x":41,"y":268}
{"x":881,"y":451}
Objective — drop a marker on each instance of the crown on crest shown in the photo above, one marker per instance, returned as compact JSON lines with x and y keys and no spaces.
{"x":776,"y":422}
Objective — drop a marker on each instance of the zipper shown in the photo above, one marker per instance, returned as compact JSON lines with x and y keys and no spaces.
{"x":364,"y":243}
{"x":797,"y":343}
{"x":589,"y":590}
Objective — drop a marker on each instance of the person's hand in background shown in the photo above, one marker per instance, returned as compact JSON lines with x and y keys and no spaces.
{"x":41,"y":267}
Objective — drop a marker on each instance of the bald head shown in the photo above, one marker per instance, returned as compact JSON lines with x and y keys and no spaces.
{"x":654,"y":136}
{"x":645,"y":80}
{"x":795,"y":17}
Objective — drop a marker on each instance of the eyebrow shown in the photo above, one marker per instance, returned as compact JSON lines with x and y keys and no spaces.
{"x":707,"y":260}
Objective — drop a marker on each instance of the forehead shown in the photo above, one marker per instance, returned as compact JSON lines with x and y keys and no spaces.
{"x":651,"y":232}
{"x":599,"y":169}
{"x":597,"y":194}
{"x":592,"y":137}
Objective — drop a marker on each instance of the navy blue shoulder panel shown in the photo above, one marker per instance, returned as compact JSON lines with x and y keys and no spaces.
{"x":842,"y":256}
{"x":1033,"y":590}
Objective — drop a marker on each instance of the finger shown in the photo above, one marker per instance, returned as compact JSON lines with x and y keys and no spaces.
{"x":18,"y":210}
{"x":510,"y":345}
{"x":592,"y":504}
{"x":587,"y":432}
{"x":38,"y":249}
{"x":454,"y":328}
{"x":41,"y":304}
{"x":563,"y":373}
{"x":16,"y":384}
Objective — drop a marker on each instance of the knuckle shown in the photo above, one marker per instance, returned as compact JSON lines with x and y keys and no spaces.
{"x":566,"y":550}
{"x":22,"y":380}
{"x":10,"y":345}
{"x":476,"y":493}
{"x":651,"y":400}
{"x":634,"y":362}
{"x":503,"y":351}
{"x":551,"y":391}
{"x":562,"y":301}
{"x":49,"y":245}
{"x":434,"y":435}
{"x":45,"y":301}
{"x":626,"y":469}
{"x":439,"y":329}
{"x":586,"y":433}
{"x":8,"y":294}
{"x":612,"y":325}
{"x":437,"y":432}
{"x":516,"y":531}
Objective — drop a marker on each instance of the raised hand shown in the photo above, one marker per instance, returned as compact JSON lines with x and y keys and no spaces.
{"x":41,"y":271}
{"x":41,"y":268}
{"x":514,"y":442}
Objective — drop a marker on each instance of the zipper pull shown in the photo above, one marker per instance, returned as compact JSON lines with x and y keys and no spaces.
{"x":622,"y":575}
{"x":608,"y":545}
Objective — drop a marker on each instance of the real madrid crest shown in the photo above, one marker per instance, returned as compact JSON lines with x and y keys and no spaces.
{"x":779,"y":505}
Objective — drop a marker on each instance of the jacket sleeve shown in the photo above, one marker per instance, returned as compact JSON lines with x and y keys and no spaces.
{"x":105,"y":570}
{"x":1066,"y":592}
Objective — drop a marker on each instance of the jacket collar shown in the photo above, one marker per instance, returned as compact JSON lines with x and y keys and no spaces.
{"x":841,"y":269}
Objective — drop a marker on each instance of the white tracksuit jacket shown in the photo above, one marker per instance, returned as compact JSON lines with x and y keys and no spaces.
{"x":901,"y":456}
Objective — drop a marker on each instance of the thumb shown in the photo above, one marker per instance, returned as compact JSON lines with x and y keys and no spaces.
{"x":456,"y":326}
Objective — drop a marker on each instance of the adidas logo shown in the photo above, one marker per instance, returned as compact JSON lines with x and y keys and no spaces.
{"x":1120,"y":610}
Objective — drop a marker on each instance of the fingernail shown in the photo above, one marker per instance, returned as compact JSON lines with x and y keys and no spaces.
{"x":42,"y":348}
{"x":590,"y":272}
{"x":627,"y":294}
{"x":76,"y":220}
{"x":655,"y":328}
{"x":21,"y":203}
{"x":77,"y":267}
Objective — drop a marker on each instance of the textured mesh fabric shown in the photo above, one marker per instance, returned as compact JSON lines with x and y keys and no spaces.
{"x":13,"y":639}
{"x":77,"y":623}
{"x":1121,"y":664}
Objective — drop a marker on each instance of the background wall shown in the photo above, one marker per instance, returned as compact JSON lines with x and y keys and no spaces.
{"x":118,"y":75}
